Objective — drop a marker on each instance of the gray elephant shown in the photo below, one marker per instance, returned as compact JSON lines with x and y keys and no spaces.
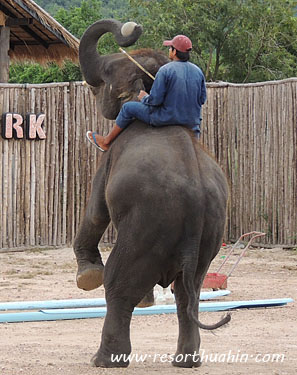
{"x":167,"y":199}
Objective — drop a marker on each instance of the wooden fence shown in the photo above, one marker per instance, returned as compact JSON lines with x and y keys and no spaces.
{"x":251,"y":130}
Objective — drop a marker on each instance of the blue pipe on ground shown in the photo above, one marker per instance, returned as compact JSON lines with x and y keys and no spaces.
{"x":74,"y":303}
{"x":84,"y":313}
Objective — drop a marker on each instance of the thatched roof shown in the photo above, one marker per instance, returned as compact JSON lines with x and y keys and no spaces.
{"x":34,"y":34}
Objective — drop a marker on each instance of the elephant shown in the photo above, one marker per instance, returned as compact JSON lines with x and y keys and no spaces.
{"x":167,"y":197}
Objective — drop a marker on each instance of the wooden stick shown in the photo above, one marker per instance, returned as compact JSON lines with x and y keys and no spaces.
{"x":137,"y":63}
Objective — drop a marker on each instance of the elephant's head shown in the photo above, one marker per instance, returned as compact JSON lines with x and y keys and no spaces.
{"x":114,"y":79}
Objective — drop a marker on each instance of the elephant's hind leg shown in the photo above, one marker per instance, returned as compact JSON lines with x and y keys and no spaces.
{"x":126,"y":282}
{"x":187,"y":354}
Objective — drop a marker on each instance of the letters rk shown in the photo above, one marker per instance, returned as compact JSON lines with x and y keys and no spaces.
{"x":13,"y":126}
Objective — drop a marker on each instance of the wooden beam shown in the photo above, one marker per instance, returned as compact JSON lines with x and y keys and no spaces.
{"x":35,"y":36}
{"x":2,"y":18}
{"x":26,"y":28}
{"x":18,"y":21}
{"x":4,"y":57}
{"x":39,"y":19}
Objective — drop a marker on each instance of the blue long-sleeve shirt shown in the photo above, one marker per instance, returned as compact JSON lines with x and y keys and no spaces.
{"x":177,"y":95}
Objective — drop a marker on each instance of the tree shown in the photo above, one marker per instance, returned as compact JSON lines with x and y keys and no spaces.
{"x":36,"y":73}
{"x":233,"y":40}
{"x":52,"y":6}
{"x":77,"y":19}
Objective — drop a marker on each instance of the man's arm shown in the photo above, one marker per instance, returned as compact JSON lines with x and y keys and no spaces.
{"x":203,"y":95}
{"x":158,"y":91}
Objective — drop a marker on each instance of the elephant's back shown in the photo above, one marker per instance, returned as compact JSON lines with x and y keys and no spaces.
{"x":161,"y":167}
{"x":150,"y":155}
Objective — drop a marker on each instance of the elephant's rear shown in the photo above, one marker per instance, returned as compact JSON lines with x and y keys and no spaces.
{"x":156,"y":174}
{"x":168,"y":193}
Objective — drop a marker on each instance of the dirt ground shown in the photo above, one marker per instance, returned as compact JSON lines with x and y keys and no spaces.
{"x":248,"y":345}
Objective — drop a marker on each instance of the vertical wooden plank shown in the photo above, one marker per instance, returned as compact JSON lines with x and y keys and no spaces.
{"x":83,"y":152}
{"x":258,"y":124}
{"x":56,"y":166}
{"x":5,"y":179}
{"x":65,"y":166}
{"x":4,"y":57}
{"x":52,"y":159}
{"x":14,"y":177}
{"x":2,"y":153}
{"x":71,"y":181}
{"x":293,"y":136}
{"x":32,"y":168}
{"x":47,"y":163}
{"x":38,"y":165}
{"x":5,"y":194}
{"x":77,"y":156}
{"x":277,"y":170}
{"x":42,"y":203}
{"x":8,"y":168}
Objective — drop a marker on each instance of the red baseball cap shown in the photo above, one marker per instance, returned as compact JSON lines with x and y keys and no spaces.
{"x":180,"y":42}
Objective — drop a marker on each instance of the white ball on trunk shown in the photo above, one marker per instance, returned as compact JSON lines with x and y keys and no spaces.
{"x":128,"y":28}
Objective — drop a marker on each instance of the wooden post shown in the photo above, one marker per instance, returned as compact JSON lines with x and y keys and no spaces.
{"x":4,"y":48}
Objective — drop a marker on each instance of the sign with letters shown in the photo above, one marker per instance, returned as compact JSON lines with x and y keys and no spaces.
{"x":14,"y":126}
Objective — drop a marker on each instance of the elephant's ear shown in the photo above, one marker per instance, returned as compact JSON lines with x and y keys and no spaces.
{"x":132,"y":91}
{"x":138,"y":85}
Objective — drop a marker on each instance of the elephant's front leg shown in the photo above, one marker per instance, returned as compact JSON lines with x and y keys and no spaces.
{"x":89,"y":261}
{"x":187,"y":354}
{"x":115,"y":343}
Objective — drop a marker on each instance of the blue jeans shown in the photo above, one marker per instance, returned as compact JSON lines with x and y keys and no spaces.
{"x":131,"y":111}
{"x":137,"y":110}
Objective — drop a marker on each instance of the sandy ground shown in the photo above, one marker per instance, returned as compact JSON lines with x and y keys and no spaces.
{"x":65,"y":347}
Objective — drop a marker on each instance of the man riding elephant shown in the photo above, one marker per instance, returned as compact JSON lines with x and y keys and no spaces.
{"x":176,"y":96}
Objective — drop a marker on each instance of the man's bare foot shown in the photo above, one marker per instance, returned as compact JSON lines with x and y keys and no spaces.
{"x":97,"y":141}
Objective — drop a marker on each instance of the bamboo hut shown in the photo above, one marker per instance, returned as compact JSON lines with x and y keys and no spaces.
{"x":29,"y":33}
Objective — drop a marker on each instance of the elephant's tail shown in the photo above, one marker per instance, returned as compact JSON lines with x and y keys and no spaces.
{"x":193,"y":299}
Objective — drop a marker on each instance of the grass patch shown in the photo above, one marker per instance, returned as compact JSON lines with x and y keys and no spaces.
{"x":31,"y":275}
{"x":27,"y":275}
{"x":5,"y":283}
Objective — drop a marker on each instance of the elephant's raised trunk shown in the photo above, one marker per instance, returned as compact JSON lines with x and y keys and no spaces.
{"x":92,"y":64}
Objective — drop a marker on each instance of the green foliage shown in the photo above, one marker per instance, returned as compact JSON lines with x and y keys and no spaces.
{"x":77,"y":19}
{"x":52,"y":6}
{"x":35,"y":73}
{"x":110,"y":8}
{"x":233,"y":40}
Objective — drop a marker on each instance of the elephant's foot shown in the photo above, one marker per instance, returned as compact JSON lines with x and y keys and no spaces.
{"x":101,"y":360}
{"x":89,"y":276}
{"x":148,"y":300}
{"x":143,"y":304}
{"x":186,"y":360}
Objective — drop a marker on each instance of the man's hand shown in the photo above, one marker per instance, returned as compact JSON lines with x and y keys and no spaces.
{"x":141,"y":94}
